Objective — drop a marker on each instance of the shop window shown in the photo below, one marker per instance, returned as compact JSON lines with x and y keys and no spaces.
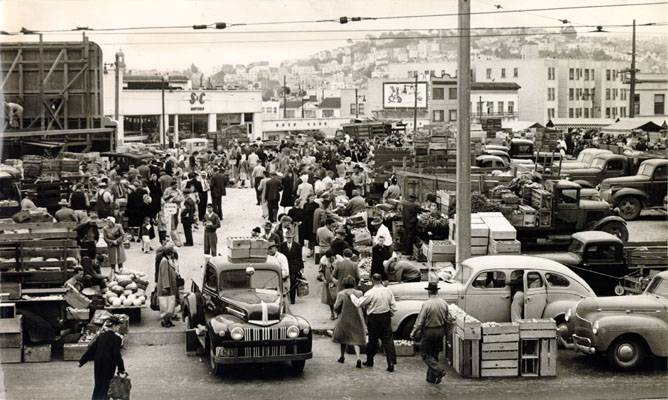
{"x":142,"y":125}
{"x":193,"y":125}
{"x":226,"y":120}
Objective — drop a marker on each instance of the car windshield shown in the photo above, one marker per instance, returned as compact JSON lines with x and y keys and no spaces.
{"x":260,"y":280}
{"x":598,"y":163}
{"x":463,"y":273}
{"x":659,"y":287}
{"x":575,"y":246}
{"x":645,"y":169}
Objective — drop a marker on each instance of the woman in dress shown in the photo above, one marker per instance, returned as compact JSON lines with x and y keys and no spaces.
{"x":288,"y":194}
{"x":350,"y":329}
{"x":113,"y":235}
{"x":306,"y":228}
{"x":328,"y":293}
{"x":156,"y":195}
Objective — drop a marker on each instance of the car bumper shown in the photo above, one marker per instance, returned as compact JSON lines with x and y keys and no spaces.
{"x":265,"y":359}
{"x":583,"y":344}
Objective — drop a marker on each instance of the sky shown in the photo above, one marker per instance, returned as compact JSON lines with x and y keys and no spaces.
{"x":178,"y":48}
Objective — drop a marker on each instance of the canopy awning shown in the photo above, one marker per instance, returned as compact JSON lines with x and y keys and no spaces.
{"x":579,"y":122}
{"x":627,"y":125}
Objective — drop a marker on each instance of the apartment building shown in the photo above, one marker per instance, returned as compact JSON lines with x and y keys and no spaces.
{"x":651,"y":94}
{"x":425,"y":71}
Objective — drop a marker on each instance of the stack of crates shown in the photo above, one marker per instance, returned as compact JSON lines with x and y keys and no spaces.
{"x":11,"y":338}
{"x":465,"y":343}
{"x":538,"y":347}
{"x":239,"y":247}
{"x":499,"y":349}
{"x":541,"y":200}
{"x":441,"y":251}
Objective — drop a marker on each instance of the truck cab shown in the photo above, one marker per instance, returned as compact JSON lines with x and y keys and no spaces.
{"x":606,"y":165}
{"x":597,"y":257}
{"x":632,"y":194}
{"x":584,"y":159}
{"x":240,"y":316}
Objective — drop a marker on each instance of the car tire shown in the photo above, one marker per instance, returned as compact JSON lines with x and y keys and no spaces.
{"x":215,"y":368}
{"x":627,"y":353}
{"x":404,"y":331}
{"x":629,"y":207}
{"x":616,"y":228}
{"x":298,"y":366}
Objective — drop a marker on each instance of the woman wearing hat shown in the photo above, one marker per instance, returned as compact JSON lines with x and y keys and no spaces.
{"x":113,"y":235}
{"x":350,"y":329}
{"x":105,"y":351}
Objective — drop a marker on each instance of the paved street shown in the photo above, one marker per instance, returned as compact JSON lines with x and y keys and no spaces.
{"x":156,"y":360}
{"x":165,"y":372}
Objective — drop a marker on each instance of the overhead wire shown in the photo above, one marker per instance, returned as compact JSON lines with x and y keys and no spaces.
{"x":352,"y":19}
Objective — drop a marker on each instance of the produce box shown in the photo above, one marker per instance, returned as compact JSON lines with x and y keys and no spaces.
{"x":500,"y":360}
{"x":37,"y":353}
{"x":478,"y":250}
{"x":239,"y":253}
{"x":11,"y":332}
{"x":505,"y":246}
{"x":500,"y":228}
{"x":404,"y":348}
{"x":7,"y":310}
{"x":537,"y":328}
{"x":510,"y":198}
{"x":74,"y":351}
{"x":77,"y":314}
{"x":442,"y":247}
{"x":259,"y":244}
{"x":10,"y":355}
{"x":440,"y":257}
{"x":544,"y":218}
{"x":76,"y":299}
{"x":234,"y":243}
{"x":11,"y":288}
{"x":479,"y":241}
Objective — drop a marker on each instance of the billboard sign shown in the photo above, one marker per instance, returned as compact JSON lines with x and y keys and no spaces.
{"x":402,"y":94}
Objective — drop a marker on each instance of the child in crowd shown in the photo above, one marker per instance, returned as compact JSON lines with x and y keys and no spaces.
{"x":161,"y":221}
{"x":145,"y":232}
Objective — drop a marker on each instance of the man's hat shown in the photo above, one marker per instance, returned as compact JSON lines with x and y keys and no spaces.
{"x":271,"y":244}
{"x":286,"y":218}
{"x":376,"y":221}
{"x":432,"y":287}
{"x":63,"y":202}
{"x":268,"y":224}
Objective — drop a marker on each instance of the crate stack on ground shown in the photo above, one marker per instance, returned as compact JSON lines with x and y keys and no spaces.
{"x":502,"y":234}
{"x":32,"y":166}
{"x":11,"y":339}
{"x":446,"y":200}
{"x":499,"y":351}
{"x":479,"y":234}
{"x":541,"y":200}
{"x":465,"y":343}
{"x":538,"y":347}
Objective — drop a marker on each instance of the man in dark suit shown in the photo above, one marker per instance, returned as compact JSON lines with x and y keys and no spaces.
{"x":272,"y":194}
{"x":409,"y":214}
{"x":218,"y":184}
{"x":293,"y":252}
{"x":344,"y":268}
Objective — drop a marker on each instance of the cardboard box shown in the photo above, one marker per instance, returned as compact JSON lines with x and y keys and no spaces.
{"x":37,"y":353}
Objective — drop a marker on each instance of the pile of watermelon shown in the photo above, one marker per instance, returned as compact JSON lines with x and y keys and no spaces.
{"x":126,"y":290}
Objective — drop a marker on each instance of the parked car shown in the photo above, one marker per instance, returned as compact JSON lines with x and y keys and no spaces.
{"x":632,"y":194}
{"x":480,"y":287}
{"x":584,"y":159}
{"x":627,"y":329}
{"x":603,"y":166}
{"x":240,"y":316}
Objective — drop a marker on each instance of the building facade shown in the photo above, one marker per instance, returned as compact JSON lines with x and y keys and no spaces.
{"x":651,"y":94}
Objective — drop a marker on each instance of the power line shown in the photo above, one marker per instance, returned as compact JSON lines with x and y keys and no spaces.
{"x":344,"y":20}
{"x":297,"y":31}
{"x":345,"y":39}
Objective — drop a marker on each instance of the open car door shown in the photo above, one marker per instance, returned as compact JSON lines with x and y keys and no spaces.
{"x":535,"y":295}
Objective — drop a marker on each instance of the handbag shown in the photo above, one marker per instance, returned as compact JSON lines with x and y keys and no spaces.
{"x":155,"y":305}
{"x":119,"y":388}
{"x":180,"y":282}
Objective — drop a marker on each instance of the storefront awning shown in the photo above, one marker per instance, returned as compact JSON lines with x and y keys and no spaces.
{"x":565,"y":123}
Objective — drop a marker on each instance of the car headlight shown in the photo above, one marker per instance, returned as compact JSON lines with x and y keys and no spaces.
{"x":306,"y":330}
{"x":568,"y":314}
{"x":293,"y":331}
{"x":594,"y":328}
{"x":237,"y":333}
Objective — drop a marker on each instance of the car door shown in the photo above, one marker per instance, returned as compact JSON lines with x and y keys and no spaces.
{"x":658,"y":185}
{"x":614,"y":168}
{"x":535,"y":295}
{"x":210,"y":289}
{"x":602,"y":267}
{"x":487,"y":297}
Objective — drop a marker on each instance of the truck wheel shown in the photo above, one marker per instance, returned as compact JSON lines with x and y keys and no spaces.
{"x":298,"y":366}
{"x":629,"y":207}
{"x":215,"y":368}
{"x":616,"y":228}
{"x":627,"y":353}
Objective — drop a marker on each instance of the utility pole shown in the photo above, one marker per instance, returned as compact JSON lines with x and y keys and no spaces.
{"x":357,"y":107}
{"x":285,"y":101}
{"x":632,"y":95}
{"x":463,"y":202}
{"x":117,"y":89}
{"x":162,"y":122}
{"x":302,"y":97}
{"x":415,"y":103}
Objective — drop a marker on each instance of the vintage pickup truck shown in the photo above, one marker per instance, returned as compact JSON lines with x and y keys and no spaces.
{"x":603,"y":166}
{"x":631,"y":194}
{"x":584,"y":159}
{"x":240,"y":316}
{"x":609,"y":265}
{"x":480,"y":287}
{"x":627,"y":329}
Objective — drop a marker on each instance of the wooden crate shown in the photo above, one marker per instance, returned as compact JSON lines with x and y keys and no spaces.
{"x":236,"y":254}
{"x":548,"y":357}
{"x":504,"y":246}
{"x":234,"y":243}
{"x":440,"y":257}
{"x":442,"y":247}
{"x":465,"y":356}
{"x":478,"y":250}
{"x":37,"y":353}
{"x":501,"y":358}
{"x":537,"y":329}
{"x":74,"y":351}
{"x":11,"y":332}
{"x":404,"y":349}
{"x":10,"y":355}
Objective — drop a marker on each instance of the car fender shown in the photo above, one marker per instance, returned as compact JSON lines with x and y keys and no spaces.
{"x":556,"y":309}
{"x":617,"y":195}
{"x":652,"y":329}
{"x":584,"y":183}
{"x":405,"y":309}
{"x":610,"y":218}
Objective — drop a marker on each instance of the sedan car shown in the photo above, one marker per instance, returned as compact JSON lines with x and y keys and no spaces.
{"x":625,"y":328}
{"x":480,"y":287}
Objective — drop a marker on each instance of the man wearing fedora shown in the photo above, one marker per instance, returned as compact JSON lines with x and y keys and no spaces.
{"x":293,"y":252}
{"x":65,"y":213}
{"x":429,"y":328}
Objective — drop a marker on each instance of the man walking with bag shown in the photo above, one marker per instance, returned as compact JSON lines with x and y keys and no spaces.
{"x":429,"y":328}
{"x":105,"y":351}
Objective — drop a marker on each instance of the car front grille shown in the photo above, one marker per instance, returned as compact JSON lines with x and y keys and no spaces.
{"x":253,"y":334}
